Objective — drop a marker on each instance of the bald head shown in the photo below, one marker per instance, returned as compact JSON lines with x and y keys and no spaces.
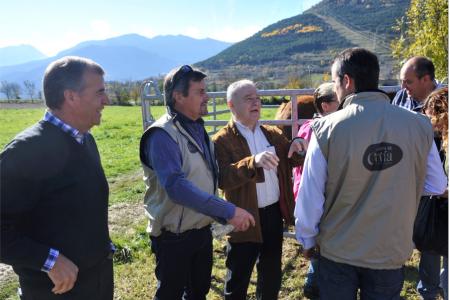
{"x":417,"y":77}
{"x":421,"y":66}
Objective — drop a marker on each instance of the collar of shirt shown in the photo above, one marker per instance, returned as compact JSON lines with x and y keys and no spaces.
{"x":75,"y":133}
{"x":418,"y":105}
{"x":267,"y":192}
{"x":195,"y":128}
{"x":182,"y":118}
{"x":242,"y":128}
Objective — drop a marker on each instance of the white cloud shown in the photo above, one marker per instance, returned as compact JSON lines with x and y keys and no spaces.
{"x":193,"y":31}
{"x":231,"y":34}
{"x":101,"y":29}
{"x":143,"y":30}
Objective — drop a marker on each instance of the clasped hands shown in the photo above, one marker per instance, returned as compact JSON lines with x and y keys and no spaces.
{"x":269,"y":160}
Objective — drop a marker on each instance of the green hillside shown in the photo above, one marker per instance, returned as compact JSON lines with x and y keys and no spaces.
{"x":375,"y":16}
{"x":304,"y":33}
{"x":306,"y":43}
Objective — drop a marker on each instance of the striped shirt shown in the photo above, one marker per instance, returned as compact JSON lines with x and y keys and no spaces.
{"x":75,"y":133}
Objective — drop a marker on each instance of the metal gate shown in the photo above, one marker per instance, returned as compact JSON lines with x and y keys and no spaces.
{"x":150,"y":92}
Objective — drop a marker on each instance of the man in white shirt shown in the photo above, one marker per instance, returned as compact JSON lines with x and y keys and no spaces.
{"x":255,"y":173}
{"x":362,"y":181}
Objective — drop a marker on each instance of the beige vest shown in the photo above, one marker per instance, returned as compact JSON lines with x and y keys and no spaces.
{"x":377,"y":156}
{"x":161,"y":210}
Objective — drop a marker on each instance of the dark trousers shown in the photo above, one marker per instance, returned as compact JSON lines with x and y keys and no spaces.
{"x":429,"y":275}
{"x":241,"y":258}
{"x":94,"y":283}
{"x":342,"y":281}
{"x":183,"y":264}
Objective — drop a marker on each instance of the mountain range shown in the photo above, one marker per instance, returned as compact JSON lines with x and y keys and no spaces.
{"x":290,"y":48}
{"x":127,"y":57}
{"x":14,"y":55}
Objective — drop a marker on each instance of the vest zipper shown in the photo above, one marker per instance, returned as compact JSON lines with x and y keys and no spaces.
{"x":211,"y":167}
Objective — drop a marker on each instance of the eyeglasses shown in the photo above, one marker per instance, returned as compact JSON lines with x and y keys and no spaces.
{"x":177,"y":76}
{"x":180,"y":73}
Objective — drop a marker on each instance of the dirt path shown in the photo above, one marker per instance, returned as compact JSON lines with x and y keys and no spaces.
{"x":366,"y":40}
{"x":6,"y":105}
{"x":6,"y":272}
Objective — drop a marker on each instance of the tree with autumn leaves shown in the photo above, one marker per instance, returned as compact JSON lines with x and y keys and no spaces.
{"x":424,"y":31}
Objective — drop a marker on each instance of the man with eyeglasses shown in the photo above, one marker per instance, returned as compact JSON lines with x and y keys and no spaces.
{"x":180,"y":173}
{"x":418,"y":81}
{"x":255,"y":169}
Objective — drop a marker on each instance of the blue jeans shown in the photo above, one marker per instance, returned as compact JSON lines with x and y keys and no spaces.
{"x":429,"y":270}
{"x":342,"y":281}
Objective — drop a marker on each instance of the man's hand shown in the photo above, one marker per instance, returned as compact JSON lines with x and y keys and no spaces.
{"x":298,"y":145}
{"x":311,"y":252}
{"x":266,"y":160}
{"x":63,"y":274}
{"x":242,"y":220}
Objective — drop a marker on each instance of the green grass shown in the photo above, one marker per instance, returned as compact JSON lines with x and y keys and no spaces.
{"x":118,"y":142}
{"x":8,"y":289}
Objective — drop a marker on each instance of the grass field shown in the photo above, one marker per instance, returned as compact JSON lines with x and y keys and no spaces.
{"x":118,"y":140}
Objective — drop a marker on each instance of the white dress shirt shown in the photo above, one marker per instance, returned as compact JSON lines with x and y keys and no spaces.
{"x":268,"y":192}
{"x":311,"y":197}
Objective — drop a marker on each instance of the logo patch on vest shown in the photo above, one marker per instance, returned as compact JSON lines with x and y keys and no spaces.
{"x":192,"y":148}
{"x":381,"y":156}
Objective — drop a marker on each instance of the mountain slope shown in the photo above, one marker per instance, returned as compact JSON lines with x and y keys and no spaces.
{"x":370,"y":16}
{"x":14,"y":55}
{"x":307,"y":43}
{"x":304,"y":33}
{"x":178,"y":48}
{"x":368,"y":41}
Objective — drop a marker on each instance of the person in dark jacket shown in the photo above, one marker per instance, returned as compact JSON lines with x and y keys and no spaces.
{"x":54,"y":194}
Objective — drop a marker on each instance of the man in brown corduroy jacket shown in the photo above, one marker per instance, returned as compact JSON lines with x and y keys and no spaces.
{"x":255,"y":169}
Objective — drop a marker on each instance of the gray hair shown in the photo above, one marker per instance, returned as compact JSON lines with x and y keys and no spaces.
{"x":179,"y":80}
{"x":66,"y":73}
{"x":235,"y":87}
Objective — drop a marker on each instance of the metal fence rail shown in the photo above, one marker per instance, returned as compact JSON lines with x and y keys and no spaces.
{"x":150,"y":92}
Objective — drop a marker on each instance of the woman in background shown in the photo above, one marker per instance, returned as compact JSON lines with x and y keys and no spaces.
{"x":436,"y":108}
{"x":325,"y":102}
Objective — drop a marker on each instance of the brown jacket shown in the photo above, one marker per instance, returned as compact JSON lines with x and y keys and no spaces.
{"x":238,"y":175}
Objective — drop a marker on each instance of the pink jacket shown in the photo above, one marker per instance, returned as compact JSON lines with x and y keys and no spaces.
{"x":305,"y":133}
